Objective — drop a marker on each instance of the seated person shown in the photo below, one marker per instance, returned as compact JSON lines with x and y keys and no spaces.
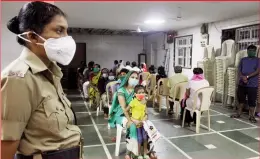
{"x":161,"y":73}
{"x":152,"y":69}
{"x":135,"y":68}
{"x":175,"y":79}
{"x":138,"y":111}
{"x":104,"y":97}
{"x":197,"y":82}
{"x":87,"y":73}
{"x":128,"y":66}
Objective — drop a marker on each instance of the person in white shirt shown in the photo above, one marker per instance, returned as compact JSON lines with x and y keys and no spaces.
{"x":135,"y":68}
{"x":128,"y":66}
{"x":197,"y":82}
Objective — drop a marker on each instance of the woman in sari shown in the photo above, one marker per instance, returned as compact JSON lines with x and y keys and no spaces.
{"x":94,"y":80}
{"x":119,"y":115}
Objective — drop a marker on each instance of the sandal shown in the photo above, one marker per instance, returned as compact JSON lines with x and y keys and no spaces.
{"x":140,"y":157}
{"x":252,"y":120}
{"x":146,"y":157}
{"x":235,"y":116}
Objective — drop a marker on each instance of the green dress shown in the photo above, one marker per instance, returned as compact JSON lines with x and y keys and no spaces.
{"x":117,"y":116}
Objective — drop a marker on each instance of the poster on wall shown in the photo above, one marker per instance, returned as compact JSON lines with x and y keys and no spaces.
{"x":204,"y":40}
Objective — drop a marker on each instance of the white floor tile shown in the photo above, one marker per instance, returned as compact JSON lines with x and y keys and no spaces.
{"x":210,"y":146}
{"x":220,"y":122}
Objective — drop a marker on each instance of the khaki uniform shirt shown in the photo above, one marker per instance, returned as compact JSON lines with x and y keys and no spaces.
{"x":34,"y":108}
{"x":175,"y":79}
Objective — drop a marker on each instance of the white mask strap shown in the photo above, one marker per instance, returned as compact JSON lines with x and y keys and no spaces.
{"x":26,"y":33}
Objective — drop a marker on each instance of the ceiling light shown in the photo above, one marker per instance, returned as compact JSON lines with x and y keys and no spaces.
{"x":154,"y":21}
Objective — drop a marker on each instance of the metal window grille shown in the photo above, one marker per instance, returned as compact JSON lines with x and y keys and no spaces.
{"x":247,"y":36}
{"x":183,"y":51}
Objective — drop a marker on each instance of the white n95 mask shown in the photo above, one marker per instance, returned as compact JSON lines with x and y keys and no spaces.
{"x":61,"y":50}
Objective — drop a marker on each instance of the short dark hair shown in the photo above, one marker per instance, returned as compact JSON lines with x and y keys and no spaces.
{"x":91,"y":64}
{"x":124,"y":70}
{"x":197,"y":71}
{"x":178,"y":69}
{"x":33,"y":16}
{"x":134,"y":64}
{"x":115,"y":62}
{"x":98,"y":65}
{"x":127,"y":63}
{"x":138,"y":87}
{"x":252,"y":47}
{"x":120,"y":61}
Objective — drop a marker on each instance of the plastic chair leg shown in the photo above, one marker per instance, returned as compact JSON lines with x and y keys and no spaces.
{"x":177,"y":106}
{"x":198,"y":114}
{"x":208,"y":120}
{"x":183,"y":119}
{"x":118,"y":138}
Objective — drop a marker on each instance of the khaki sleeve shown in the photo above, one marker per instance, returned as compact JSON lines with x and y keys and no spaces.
{"x":16,"y":107}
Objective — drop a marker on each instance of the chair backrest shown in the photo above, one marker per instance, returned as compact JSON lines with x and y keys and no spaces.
{"x":112,"y":86}
{"x":144,"y":75}
{"x":239,"y":56}
{"x":151,"y":82}
{"x":180,"y":89}
{"x":162,"y":86}
{"x":209,"y":52}
{"x":205,"y":95}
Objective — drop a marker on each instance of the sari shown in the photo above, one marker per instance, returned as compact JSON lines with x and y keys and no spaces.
{"x":116,"y":116}
{"x":94,"y":81}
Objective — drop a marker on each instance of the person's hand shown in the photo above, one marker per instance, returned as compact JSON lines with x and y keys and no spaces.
{"x":129,"y":123}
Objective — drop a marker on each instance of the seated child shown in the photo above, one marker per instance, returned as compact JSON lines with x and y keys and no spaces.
{"x":138,"y":113}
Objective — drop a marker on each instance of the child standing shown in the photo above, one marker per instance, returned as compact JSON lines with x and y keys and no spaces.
{"x":138,"y":113}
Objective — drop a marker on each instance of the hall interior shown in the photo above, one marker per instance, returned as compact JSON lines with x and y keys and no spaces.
{"x":168,"y":34}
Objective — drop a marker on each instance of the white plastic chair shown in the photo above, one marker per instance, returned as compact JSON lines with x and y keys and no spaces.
{"x":119,"y":130}
{"x":179,"y":89}
{"x":206,"y":97}
{"x":110,"y":85}
{"x":162,"y":91}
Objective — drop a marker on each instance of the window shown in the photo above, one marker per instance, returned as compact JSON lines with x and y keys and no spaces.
{"x":183,"y":51}
{"x":246,"y":36}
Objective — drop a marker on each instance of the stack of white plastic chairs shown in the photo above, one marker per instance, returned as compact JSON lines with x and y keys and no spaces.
{"x":232,"y":76}
{"x":224,"y":61}
{"x":207,"y":64}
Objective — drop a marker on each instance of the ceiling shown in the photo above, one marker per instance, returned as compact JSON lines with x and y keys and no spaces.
{"x":130,"y":15}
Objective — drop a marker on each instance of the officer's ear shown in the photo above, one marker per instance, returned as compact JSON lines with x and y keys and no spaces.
{"x":33,"y":37}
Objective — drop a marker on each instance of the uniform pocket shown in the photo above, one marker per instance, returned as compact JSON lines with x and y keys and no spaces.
{"x":55,"y":113}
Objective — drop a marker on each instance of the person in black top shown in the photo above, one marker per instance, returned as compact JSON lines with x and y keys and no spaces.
{"x":161,"y":73}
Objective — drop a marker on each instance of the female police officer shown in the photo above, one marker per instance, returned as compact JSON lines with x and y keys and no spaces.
{"x":37,"y":121}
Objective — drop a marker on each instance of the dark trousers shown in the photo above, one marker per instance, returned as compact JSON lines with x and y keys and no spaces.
{"x":188,"y":118}
{"x":106,"y":110}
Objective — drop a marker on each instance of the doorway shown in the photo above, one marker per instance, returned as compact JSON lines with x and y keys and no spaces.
{"x":69,"y":80}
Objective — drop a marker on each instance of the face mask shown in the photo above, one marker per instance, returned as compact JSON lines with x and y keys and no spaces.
{"x":105,"y":75}
{"x":95,"y":69}
{"x":122,"y":77}
{"x":111,"y":78}
{"x":251,"y":53}
{"x":133,"y":82}
{"x":140,"y":96}
{"x":61,"y":50}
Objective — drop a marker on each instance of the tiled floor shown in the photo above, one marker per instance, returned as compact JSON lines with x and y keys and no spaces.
{"x":228,"y":138}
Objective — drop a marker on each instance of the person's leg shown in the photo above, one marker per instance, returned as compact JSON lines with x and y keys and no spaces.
{"x":241,"y":94}
{"x":252,"y":96}
{"x":145,"y":141}
{"x":171,"y":107}
{"x":85,"y":89}
{"x":140,"y":140}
